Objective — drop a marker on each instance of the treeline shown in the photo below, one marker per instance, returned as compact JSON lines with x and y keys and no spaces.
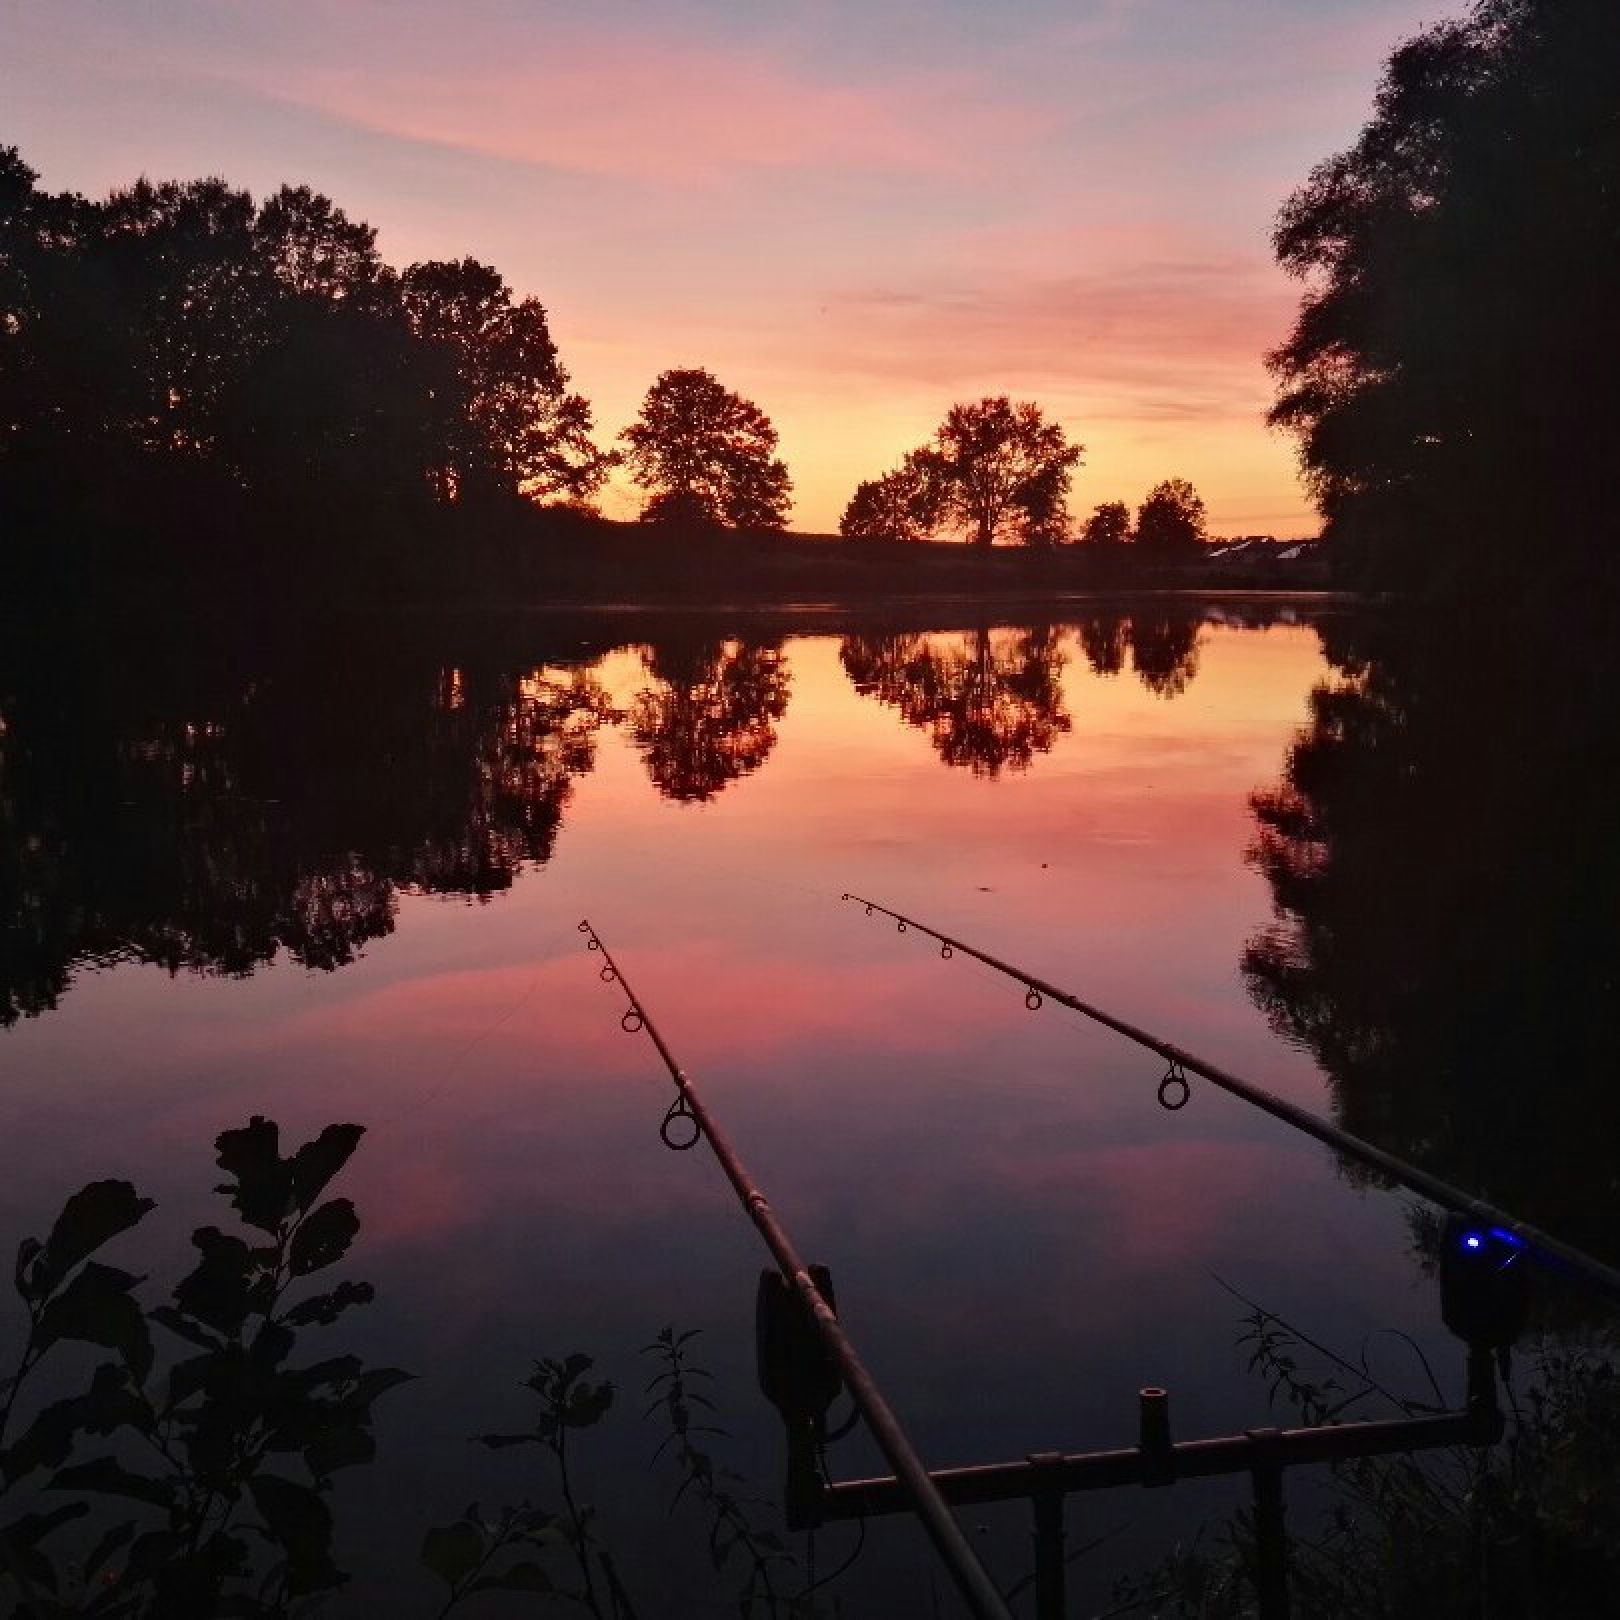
{"x":197,"y":384}
{"x":201,"y":391}
{"x":183,"y":321}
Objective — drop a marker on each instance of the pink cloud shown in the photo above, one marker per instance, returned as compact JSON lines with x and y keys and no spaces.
{"x":630,"y":107}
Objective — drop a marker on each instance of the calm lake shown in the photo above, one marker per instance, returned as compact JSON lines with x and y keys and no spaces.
{"x":340,"y":880}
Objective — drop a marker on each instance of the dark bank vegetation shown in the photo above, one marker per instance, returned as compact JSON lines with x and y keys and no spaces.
{"x":209,"y":399}
{"x":1451,"y":377}
{"x":1519,"y":1530}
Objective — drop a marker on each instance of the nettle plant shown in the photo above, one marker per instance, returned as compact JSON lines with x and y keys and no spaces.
{"x":221,"y":1461}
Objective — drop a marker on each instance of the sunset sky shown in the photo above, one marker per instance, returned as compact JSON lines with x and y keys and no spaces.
{"x":852,"y":211}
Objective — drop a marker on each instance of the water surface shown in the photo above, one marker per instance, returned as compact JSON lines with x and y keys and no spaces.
{"x":342,"y":881}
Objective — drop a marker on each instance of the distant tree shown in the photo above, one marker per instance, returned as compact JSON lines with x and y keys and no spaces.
{"x":1170,"y":522}
{"x":707,"y":455}
{"x":1108,"y":525}
{"x":1451,"y":378}
{"x":999,"y":471}
{"x":525,"y":433}
{"x":893,"y":507}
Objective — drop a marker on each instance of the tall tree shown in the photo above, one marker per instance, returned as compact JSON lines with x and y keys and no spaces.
{"x":1000,"y":471}
{"x":1451,"y":376}
{"x":893,"y":507}
{"x":63,"y":363}
{"x":525,"y":431}
{"x":1170,"y":523}
{"x":707,"y":455}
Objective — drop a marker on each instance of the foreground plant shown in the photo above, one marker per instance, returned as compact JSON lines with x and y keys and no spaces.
{"x":227,"y":1453}
{"x":1526,"y":1528}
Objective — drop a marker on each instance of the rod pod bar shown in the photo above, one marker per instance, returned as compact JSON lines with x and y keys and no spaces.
{"x":1601,"y":1278}
{"x":981,"y":1594}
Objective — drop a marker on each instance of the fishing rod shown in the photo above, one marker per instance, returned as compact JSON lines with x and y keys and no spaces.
{"x":689,"y":1121}
{"x":1174,"y":1092}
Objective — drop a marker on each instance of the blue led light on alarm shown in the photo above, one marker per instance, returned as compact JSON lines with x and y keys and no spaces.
{"x":1472,"y":1241}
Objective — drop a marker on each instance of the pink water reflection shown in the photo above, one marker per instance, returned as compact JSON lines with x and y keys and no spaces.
{"x":996,"y":1191}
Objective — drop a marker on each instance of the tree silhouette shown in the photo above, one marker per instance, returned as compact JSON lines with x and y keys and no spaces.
{"x":893,"y":507}
{"x":1170,"y":522}
{"x":1108,"y":525}
{"x":345,"y":404}
{"x":707,"y":456}
{"x":314,"y":249}
{"x":526,"y":433}
{"x":709,"y":715}
{"x":996,"y":470}
{"x":989,"y":700}
{"x":1451,"y":374}
{"x":260,"y":368}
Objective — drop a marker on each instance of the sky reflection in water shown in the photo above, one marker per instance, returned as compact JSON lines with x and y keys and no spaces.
{"x":1020,"y":1237}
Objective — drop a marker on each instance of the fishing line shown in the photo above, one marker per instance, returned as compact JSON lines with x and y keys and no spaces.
{"x":468,"y":1046}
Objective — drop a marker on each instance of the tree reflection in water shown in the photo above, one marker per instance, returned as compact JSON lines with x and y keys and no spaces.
{"x":213,"y":820}
{"x":528,"y":747}
{"x":1105,"y":639}
{"x":709,"y":715}
{"x":989,"y":699}
{"x":1442,"y":857}
{"x":209,"y":803}
{"x":1164,"y":652}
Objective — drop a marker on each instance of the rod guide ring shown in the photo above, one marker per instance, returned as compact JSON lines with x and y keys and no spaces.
{"x":1174,"y":1085}
{"x":677,"y":1122}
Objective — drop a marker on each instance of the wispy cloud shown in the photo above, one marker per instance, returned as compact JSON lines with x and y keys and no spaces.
{"x":1163,"y":340}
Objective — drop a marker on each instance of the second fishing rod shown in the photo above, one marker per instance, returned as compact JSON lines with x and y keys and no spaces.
{"x":1174,"y":1091}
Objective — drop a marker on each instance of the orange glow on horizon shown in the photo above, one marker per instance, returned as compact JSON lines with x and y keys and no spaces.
{"x":851,"y":215}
